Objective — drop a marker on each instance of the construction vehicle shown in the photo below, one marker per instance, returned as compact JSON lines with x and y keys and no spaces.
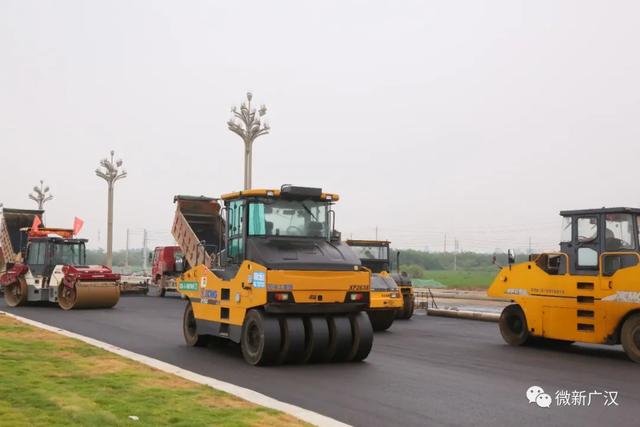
{"x":49,"y":264}
{"x":386,"y":298}
{"x":270,"y":272}
{"x":587,"y":292}
{"x":167,"y":264}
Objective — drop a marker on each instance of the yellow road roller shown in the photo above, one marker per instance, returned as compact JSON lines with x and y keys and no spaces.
{"x":588,"y":292}
{"x":271,"y":273}
{"x":41,"y":264}
{"x":386,"y":297}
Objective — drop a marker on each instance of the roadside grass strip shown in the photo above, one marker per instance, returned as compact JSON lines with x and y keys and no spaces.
{"x":47,"y":379}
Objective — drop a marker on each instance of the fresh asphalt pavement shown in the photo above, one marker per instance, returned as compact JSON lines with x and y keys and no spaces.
{"x":425,"y":371}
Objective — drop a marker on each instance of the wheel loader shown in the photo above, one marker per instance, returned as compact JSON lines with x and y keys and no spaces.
{"x":587,"y":292}
{"x":386,"y":297}
{"x":270,"y":273}
{"x":49,"y":265}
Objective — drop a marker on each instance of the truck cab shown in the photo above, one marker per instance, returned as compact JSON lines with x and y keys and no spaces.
{"x":589,"y":291}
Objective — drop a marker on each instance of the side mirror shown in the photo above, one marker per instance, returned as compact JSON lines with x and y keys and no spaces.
{"x":336,"y":236}
{"x":150,"y":257}
{"x":511,"y":256}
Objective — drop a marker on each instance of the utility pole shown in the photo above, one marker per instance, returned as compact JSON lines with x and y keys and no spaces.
{"x":126,"y":254}
{"x":529,"y":245}
{"x":445,"y":243}
{"x":145,"y":252}
{"x":40,"y":195}
{"x":455,"y":255}
{"x":248,"y":126}
{"x":111,"y":173}
{"x":376,"y":232}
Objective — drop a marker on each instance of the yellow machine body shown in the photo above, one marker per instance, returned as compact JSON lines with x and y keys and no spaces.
{"x":570,"y":307}
{"x":385,"y":299}
{"x":226,"y":301}
{"x":587,"y":292}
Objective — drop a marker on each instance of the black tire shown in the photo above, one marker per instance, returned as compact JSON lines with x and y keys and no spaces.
{"x":293,"y":340}
{"x":17,"y":293}
{"x":630,"y":337}
{"x":513,"y":325}
{"x":260,"y":339}
{"x":317,"y":337}
{"x":190,"y":331}
{"x":381,"y":320}
{"x":362,"y":337}
{"x":341,"y":339}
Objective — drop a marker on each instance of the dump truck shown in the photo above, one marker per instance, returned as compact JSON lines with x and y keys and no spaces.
{"x":587,"y":292}
{"x":270,"y":273}
{"x":167,"y":264}
{"x":49,"y":265}
{"x":386,"y":297}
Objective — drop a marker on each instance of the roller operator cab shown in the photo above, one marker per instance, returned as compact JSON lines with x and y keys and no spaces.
{"x":386,"y":297}
{"x":589,"y":291}
{"x":271,"y":274}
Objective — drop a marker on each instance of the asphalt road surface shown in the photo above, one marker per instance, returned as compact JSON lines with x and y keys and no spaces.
{"x":425,"y":371}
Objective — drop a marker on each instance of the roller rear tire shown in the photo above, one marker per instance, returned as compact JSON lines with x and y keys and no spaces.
{"x":513,"y":325}
{"x":190,"y":330}
{"x":341,"y":339}
{"x":381,"y":320}
{"x":261,"y":338}
{"x":630,"y":337}
{"x":292,"y":349}
{"x":316,"y":343}
{"x":362,"y":337}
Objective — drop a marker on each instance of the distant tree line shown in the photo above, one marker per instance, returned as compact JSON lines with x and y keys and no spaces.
{"x":416,"y":263}
{"x":99,"y":256}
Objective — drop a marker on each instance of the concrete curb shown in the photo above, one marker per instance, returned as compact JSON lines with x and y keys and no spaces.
{"x":464,"y":314}
{"x":241,"y":392}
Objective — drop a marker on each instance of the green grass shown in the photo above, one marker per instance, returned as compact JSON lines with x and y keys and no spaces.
{"x":50,"y":380}
{"x":460,"y":279}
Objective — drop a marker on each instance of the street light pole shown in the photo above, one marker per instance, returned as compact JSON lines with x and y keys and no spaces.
{"x":111,"y":173}
{"x":40,"y":195}
{"x":249,"y":126}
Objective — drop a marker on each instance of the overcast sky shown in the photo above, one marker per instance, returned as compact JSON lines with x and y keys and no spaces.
{"x":478,"y":119}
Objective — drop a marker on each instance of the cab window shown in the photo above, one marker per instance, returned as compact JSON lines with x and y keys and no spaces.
{"x":619,"y":233}
{"x":235,"y":231}
{"x":587,"y":229}
{"x":37,"y":252}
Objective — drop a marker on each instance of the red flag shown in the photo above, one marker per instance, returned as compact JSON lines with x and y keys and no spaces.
{"x":77,"y":225}
{"x":37,"y":222}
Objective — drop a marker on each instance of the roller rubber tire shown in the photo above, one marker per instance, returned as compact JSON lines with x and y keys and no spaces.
{"x":190,"y":331}
{"x":408,"y":310}
{"x":630,"y":337}
{"x":362,"y":337}
{"x":341,"y":339}
{"x":381,"y":320}
{"x":17,"y":293}
{"x":316,"y":344}
{"x":293,"y":340}
{"x":260,"y":339}
{"x":513,"y":325}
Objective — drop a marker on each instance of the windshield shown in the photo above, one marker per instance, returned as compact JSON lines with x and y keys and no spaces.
{"x":383,"y":283}
{"x":372,"y":252}
{"x":69,"y":254}
{"x":289,"y":218}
